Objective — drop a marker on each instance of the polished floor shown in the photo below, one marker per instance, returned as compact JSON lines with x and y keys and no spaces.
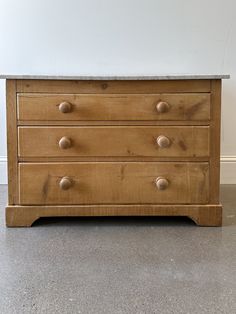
{"x":124,"y":265}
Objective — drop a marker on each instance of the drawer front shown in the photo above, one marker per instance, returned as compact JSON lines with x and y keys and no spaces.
{"x":82,"y":107}
{"x":118,"y":141}
{"x":113,"y":183}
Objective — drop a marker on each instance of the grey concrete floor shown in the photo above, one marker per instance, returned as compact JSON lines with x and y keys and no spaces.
{"x":124,"y":265}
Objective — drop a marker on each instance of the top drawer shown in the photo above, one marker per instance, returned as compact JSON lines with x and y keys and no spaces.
{"x":113,"y":107}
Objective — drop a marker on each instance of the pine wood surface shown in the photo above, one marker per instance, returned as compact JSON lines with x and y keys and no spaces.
{"x":114,"y":150}
{"x":113,"y":183}
{"x":114,"y":107}
{"x":130,"y":141}
{"x":202,"y":215}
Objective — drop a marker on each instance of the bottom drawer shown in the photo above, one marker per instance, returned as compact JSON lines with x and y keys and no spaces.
{"x":113,"y":183}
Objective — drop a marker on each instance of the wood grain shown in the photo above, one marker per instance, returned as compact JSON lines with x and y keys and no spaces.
{"x":202,"y":215}
{"x":115,"y":141}
{"x":113,"y":87}
{"x":215,"y":141}
{"x":113,"y":183}
{"x":113,"y":158}
{"x":98,"y":154}
{"x":12,"y":142}
{"x":114,"y":107}
{"x":109,"y":122}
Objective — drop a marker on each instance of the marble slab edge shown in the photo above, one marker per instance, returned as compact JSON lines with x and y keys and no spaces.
{"x":116,"y":78}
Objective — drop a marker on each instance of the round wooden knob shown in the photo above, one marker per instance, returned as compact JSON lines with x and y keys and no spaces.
{"x":64,"y":143}
{"x":65,"y":107}
{"x":65,"y":183}
{"x":162,"y":183}
{"x":163,"y":141}
{"x":162,"y":106}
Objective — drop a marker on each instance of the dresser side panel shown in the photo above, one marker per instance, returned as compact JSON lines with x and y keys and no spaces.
{"x":215,"y":141}
{"x":12,"y":142}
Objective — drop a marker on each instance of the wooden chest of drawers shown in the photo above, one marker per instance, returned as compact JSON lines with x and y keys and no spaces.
{"x":114,"y":146}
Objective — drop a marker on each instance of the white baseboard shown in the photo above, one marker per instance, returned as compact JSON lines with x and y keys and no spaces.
{"x":228,"y":170}
{"x":3,"y":170}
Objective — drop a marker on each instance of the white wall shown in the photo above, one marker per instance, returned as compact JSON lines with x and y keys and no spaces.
{"x":122,"y":37}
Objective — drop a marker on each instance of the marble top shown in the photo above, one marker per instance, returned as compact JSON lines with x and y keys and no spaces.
{"x":121,"y":77}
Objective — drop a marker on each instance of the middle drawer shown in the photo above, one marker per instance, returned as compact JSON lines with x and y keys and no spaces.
{"x":116,"y":141}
